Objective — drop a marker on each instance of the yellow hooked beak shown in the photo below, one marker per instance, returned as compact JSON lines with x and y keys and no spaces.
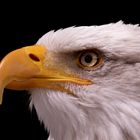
{"x":24,"y":68}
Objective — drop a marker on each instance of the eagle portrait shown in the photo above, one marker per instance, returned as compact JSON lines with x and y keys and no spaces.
{"x":84,"y":82}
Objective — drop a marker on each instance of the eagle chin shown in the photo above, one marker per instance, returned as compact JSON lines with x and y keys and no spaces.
{"x":84,"y":81}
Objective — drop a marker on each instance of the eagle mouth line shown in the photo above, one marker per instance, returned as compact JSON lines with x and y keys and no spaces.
{"x":74,"y":80}
{"x":51,"y":83}
{"x":56,"y":86}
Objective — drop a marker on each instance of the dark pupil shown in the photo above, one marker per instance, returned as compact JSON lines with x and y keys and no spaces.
{"x":88,"y":58}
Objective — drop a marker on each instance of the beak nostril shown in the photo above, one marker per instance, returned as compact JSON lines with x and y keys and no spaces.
{"x":34,"y":57}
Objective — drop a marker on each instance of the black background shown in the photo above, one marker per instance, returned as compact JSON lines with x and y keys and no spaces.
{"x":21,"y":27}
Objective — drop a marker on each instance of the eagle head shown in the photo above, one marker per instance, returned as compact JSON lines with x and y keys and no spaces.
{"x":84,"y":81}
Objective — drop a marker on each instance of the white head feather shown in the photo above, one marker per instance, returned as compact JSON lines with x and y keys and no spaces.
{"x":108,"y":109}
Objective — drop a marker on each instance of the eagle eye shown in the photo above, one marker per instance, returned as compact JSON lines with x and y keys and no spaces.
{"x":89,"y":59}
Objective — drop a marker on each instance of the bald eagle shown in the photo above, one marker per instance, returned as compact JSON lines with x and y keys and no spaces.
{"x":84,"y":81}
